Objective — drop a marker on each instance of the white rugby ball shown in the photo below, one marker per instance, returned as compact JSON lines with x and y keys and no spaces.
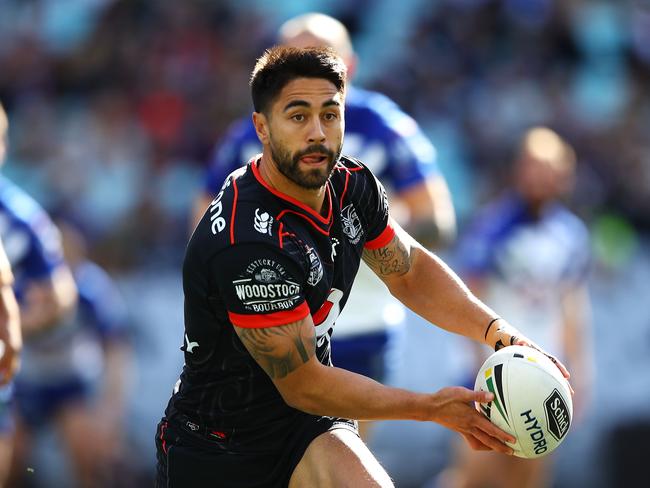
{"x":532,"y":400}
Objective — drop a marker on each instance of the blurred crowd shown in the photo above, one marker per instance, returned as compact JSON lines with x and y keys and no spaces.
{"x":115,"y":105}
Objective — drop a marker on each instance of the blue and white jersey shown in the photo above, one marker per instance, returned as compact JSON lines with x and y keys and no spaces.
{"x":526,"y":263}
{"x":391,"y":144}
{"x":31,"y":240}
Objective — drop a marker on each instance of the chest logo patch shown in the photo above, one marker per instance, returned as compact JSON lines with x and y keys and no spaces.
{"x":351,"y":224}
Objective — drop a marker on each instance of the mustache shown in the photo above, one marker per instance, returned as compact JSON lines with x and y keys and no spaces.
{"x":315,"y":148}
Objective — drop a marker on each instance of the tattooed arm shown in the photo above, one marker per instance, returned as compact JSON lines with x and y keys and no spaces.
{"x":280,"y":350}
{"x":287,"y":354}
{"x":426,"y":285}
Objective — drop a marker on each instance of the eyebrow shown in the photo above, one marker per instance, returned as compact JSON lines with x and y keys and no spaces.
{"x":303,"y":103}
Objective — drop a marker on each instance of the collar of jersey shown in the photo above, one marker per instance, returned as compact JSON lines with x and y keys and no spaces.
{"x":320,"y":222}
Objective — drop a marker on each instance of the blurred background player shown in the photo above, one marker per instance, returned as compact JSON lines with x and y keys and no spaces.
{"x":43,"y":284}
{"x":392,"y":145}
{"x":74,"y":378}
{"x":47,"y":297}
{"x":527,"y":255}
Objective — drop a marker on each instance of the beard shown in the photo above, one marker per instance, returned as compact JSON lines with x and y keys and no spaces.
{"x":310,"y":179}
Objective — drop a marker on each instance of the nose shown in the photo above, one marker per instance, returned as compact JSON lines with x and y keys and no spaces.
{"x":316,"y":134}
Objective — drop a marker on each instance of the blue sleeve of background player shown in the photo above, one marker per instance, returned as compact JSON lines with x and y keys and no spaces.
{"x":235,"y":149}
{"x":474,"y":253}
{"x":100,"y":302}
{"x":45,"y":253}
{"x":411,"y":157}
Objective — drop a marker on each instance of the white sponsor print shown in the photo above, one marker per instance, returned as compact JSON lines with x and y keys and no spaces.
{"x":262,"y":222}
{"x":335,"y":242}
{"x":264,"y":287}
{"x":315,"y":267}
{"x":351,"y":224}
{"x":216,"y":207}
{"x":333,"y":301}
{"x":189,"y":346}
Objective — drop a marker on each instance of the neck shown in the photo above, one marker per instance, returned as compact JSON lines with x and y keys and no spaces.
{"x":269,"y":171}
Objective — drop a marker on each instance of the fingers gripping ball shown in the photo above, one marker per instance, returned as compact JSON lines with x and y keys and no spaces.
{"x":532,"y":400}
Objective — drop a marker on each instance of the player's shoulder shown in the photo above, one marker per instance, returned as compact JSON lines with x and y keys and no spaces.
{"x":496,"y":218}
{"x":239,"y":142}
{"x":24,"y":213}
{"x":240,"y":129}
{"x":350,"y":167}
{"x":353,"y":181}
{"x":379,"y":110}
{"x":573,"y":224}
{"x":241,"y":213}
{"x":17,"y":203}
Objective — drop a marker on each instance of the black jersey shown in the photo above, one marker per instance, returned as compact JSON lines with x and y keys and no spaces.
{"x":259,"y":258}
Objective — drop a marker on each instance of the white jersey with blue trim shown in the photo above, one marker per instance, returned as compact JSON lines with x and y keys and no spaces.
{"x":391,"y":145}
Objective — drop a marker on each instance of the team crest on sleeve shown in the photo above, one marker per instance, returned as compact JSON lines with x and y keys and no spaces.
{"x":351,"y":224}
{"x":262,"y":222}
{"x":265,"y":287}
{"x":315,"y":267}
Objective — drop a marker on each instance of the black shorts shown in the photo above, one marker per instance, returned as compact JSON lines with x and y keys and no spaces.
{"x":190,"y":460}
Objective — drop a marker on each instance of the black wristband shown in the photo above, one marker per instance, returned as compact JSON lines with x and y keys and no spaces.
{"x":490,"y":325}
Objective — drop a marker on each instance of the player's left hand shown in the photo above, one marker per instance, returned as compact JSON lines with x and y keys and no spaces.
{"x":504,"y":335}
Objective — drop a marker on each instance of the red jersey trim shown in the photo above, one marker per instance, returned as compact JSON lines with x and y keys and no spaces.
{"x":263,"y":320}
{"x":286,"y":211}
{"x":310,"y":211}
{"x":384,"y":238}
{"x":234,"y":211}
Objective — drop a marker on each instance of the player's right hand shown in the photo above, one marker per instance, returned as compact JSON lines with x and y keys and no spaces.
{"x":454,"y":409}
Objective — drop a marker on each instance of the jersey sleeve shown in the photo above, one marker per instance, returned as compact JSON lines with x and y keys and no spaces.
{"x":261,"y":286}
{"x":238,"y":145}
{"x":45,"y":252}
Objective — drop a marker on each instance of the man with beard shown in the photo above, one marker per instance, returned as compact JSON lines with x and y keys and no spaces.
{"x":267,"y":271}
{"x":370,"y":335}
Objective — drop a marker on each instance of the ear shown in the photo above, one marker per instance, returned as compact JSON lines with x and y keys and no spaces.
{"x":261,"y":127}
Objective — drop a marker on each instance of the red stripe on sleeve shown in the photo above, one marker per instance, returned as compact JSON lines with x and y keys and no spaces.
{"x":384,"y":238}
{"x":262,"y":320}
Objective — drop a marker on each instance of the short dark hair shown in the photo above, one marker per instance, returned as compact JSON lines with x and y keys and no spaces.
{"x":280,"y":65}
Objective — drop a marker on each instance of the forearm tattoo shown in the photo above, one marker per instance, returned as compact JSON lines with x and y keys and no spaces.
{"x":394,"y":258}
{"x":279,"y":350}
